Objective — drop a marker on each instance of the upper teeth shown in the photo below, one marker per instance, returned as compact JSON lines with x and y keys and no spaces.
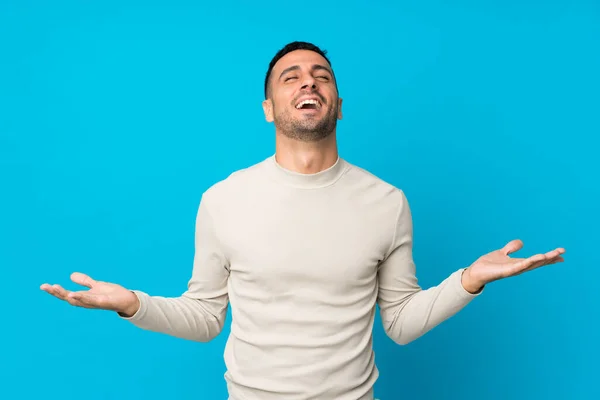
{"x":310,"y":101}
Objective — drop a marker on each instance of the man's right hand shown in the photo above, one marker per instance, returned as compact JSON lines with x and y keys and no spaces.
{"x":101,"y":295}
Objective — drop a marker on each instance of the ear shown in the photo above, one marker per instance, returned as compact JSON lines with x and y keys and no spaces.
{"x":340,"y":108}
{"x":268,"y":109}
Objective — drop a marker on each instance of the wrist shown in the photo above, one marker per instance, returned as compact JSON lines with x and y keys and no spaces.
{"x":471,"y":285}
{"x":132,"y":306}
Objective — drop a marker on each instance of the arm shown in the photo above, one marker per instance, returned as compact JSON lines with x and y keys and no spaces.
{"x":199,"y":313}
{"x":407,"y":311}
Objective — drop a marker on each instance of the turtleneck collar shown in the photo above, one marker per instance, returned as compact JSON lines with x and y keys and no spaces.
{"x":306,"y":181}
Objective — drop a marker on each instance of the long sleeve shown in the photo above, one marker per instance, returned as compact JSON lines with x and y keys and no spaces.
{"x":408,"y":311}
{"x":199,"y":313}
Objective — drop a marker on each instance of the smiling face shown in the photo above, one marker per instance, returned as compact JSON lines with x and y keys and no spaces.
{"x":303,"y":99}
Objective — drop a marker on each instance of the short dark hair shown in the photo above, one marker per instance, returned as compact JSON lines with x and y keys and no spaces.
{"x":288,"y":48}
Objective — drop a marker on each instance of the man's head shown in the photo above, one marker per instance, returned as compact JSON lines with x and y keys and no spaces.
{"x":301,"y":94}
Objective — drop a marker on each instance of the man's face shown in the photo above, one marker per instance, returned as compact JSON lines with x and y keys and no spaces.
{"x":303,"y":101}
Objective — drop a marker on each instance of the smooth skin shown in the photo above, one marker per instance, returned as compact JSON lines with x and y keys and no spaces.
{"x":298,"y":75}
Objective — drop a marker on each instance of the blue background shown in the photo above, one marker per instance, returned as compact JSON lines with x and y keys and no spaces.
{"x":116,"y":116}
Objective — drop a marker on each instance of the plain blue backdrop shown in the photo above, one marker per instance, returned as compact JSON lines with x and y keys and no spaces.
{"x":116,"y":116}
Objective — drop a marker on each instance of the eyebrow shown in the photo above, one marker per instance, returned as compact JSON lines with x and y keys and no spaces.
{"x":315,"y":67}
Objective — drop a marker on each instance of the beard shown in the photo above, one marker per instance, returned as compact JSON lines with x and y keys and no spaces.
{"x":306,"y":128}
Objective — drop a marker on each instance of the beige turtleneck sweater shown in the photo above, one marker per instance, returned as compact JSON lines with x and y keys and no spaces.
{"x":302,"y":260}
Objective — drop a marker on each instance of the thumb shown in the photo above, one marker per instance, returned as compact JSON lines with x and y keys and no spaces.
{"x":82,"y":279}
{"x":512,"y":246}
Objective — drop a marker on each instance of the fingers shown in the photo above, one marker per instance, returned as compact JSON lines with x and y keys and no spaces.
{"x":78,"y":299}
{"x":555,"y":260}
{"x":539,"y":260}
{"x":512,"y":246}
{"x":555,"y":253}
{"x":82,"y":279}
{"x":60,"y":293}
{"x":521,"y":265}
{"x":55,"y":290}
{"x":550,"y":257}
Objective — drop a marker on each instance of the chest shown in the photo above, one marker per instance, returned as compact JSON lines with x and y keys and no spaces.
{"x":287,"y":244}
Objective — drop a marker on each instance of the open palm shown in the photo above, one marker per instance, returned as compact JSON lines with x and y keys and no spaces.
{"x":498,"y":264}
{"x":101,"y":295}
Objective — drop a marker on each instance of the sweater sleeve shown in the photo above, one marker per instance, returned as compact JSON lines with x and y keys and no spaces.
{"x":408,"y":311}
{"x":199,"y":313}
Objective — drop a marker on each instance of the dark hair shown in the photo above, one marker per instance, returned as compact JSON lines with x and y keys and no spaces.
{"x":287,"y":49}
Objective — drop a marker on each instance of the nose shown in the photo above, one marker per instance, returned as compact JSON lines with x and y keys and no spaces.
{"x":309,"y":82}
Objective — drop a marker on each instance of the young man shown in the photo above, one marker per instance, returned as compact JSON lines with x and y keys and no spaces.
{"x":303,"y":245}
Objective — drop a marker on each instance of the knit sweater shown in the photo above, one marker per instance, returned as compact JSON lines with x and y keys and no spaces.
{"x":302,"y":260}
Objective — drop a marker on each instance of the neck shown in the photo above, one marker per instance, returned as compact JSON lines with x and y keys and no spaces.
{"x":306,"y":157}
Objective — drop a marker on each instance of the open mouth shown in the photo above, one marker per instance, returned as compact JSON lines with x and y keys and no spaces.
{"x":308,"y":104}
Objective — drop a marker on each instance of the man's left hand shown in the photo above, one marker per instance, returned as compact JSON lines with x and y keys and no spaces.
{"x":498,"y":265}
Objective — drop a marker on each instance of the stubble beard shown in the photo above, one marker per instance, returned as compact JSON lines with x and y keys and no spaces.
{"x":306,"y":129}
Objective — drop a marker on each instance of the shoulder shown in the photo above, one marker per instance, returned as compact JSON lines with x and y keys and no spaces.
{"x":384,"y":203}
{"x":374,"y":187}
{"x":236,"y":184}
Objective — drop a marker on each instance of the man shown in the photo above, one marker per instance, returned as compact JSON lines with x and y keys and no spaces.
{"x":303,"y":245}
